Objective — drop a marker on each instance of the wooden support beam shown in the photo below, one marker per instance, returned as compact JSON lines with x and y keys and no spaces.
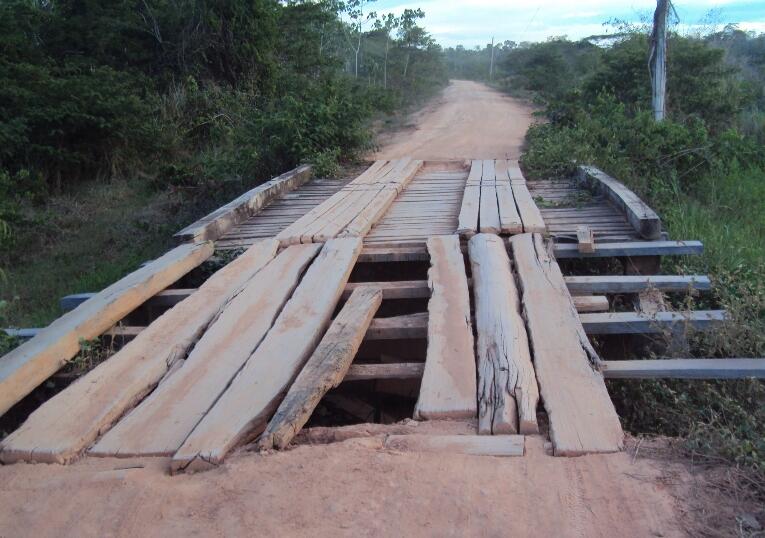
{"x":406,"y":327}
{"x":645,"y":221}
{"x":395,"y":370}
{"x":635,"y":284}
{"x":585,"y":239}
{"x":449,"y":384}
{"x":474,"y":445}
{"x":633,"y":248}
{"x":389,"y":254}
{"x":221,"y":220}
{"x":591,"y":303}
{"x":685,"y":369}
{"x":642,"y":323}
{"x":467,"y":224}
{"x":24,"y":368}
{"x":402,"y":289}
{"x":324,"y":370}
{"x":507,"y":387}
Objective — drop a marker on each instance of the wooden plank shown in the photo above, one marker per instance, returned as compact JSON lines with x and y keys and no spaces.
{"x":634,"y":248}
{"x":582,"y":417}
{"x":403,"y":289}
{"x":396,"y":370}
{"x":165,"y":298}
{"x":507,"y":386}
{"x":449,"y":383}
{"x":528,"y":210}
{"x":636,"y":283}
{"x":34,"y":361}
{"x":685,"y":369}
{"x":642,"y":218}
{"x":488,"y":219}
{"x":651,"y":323}
{"x":467,"y":222}
{"x":390,"y":254}
{"x":405,"y":327}
{"x":64,"y":425}
{"x":160,"y":424}
{"x":324,"y":370}
{"x":242,"y":411}
{"x":473,"y":445}
{"x":221,"y":220}
{"x":585,"y":239}
{"x":591,"y":303}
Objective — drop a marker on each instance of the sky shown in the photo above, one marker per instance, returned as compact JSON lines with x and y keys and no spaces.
{"x":474,"y":22}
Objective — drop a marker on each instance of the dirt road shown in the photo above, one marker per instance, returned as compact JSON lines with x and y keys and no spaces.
{"x":467,"y":121}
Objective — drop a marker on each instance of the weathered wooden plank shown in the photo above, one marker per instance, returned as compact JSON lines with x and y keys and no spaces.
{"x":582,"y":417}
{"x":488,"y":219}
{"x":221,"y":220}
{"x":391,"y":254}
{"x":24,"y":368}
{"x":585,"y":238}
{"x":645,"y":323}
{"x":67,"y":423}
{"x":402,"y":289}
{"x":634,"y":248}
{"x":643,"y":219}
{"x":160,"y":424}
{"x":404,"y":327}
{"x":165,"y":298}
{"x":528,"y":210}
{"x":467,"y":222}
{"x":242,"y":411}
{"x":324,"y":370}
{"x":449,"y":383}
{"x":395,"y":370}
{"x":591,"y":303}
{"x":636,"y":283}
{"x":685,"y":369}
{"x":473,"y":445}
{"x":507,"y":386}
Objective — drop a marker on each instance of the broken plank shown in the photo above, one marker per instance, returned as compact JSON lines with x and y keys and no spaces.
{"x":685,"y":369}
{"x":24,"y":368}
{"x":488,"y":219}
{"x":325,"y":369}
{"x":634,"y":248}
{"x":221,"y":220}
{"x":582,"y":416}
{"x":242,"y":411}
{"x":507,"y":387}
{"x":473,"y":445}
{"x":467,"y":222}
{"x":449,"y":383}
{"x":642,"y":218}
{"x":159,"y":425}
{"x":651,"y":323}
{"x":67,"y":423}
{"x":396,"y":370}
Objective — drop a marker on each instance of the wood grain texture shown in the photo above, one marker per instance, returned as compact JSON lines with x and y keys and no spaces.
{"x":394,"y":370}
{"x":685,"y":369}
{"x":24,"y":368}
{"x":243,"y":410}
{"x":467,"y":224}
{"x":488,"y":220}
{"x":632,"y":248}
{"x":582,"y":417}
{"x":67,"y":423}
{"x":507,"y":386}
{"x":448,"y":388}
{"x":325,"y":369}
{"x":159,"y":425}
{"x":473,"y":445}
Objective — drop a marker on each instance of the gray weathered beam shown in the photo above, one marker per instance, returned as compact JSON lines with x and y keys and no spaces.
{"x":636,"y":283}
{"x":632,"y":248}
{"x":395,"y":370}
{"x":685,"y":369}
{"x":641,"y":323}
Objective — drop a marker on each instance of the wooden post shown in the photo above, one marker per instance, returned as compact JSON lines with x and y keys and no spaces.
{"x":657,"y":59}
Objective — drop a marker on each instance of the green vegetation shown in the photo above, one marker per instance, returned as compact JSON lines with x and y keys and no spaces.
{"x":121,"y":121}
{"x":703,"y":169}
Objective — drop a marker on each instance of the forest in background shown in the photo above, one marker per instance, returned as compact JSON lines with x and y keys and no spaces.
{"x":702,"y":169}
{"x":123,"y":120}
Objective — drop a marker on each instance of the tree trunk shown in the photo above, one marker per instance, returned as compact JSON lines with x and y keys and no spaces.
{"x":385,"y":67}
{"x":657,"y":59}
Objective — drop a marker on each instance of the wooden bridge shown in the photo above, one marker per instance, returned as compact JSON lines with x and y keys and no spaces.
{"x":433,"y":290}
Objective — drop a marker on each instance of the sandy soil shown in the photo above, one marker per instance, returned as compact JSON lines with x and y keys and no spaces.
{"x":354,"y":486}
{"x":467,"y":121}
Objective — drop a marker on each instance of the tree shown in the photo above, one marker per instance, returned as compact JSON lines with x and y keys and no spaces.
{"x":355,"y":10}
{"x":657,"y":59}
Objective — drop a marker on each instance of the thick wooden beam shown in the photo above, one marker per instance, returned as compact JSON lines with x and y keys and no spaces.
{"x":221,"y":220}
{"x":685,"y":369}
{"x":406,"y":327}
{"x":67,"y":423}
{"x":636,"y":283}
{"x":651,"y":323}
{"x":585,"y":239}
{"x":324,"y":370}
{"x":474,"y":445}
{"x":395,"y":370}
{"x":467,"y":222}
{"x":633,"y":248}
{"x":645,"y":221}
{"x":24,"y":368}
{"x":449,"y":383}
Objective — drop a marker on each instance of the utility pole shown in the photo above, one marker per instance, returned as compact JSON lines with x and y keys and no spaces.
{"x":491,"y":64}
{"x":657,"y":59}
